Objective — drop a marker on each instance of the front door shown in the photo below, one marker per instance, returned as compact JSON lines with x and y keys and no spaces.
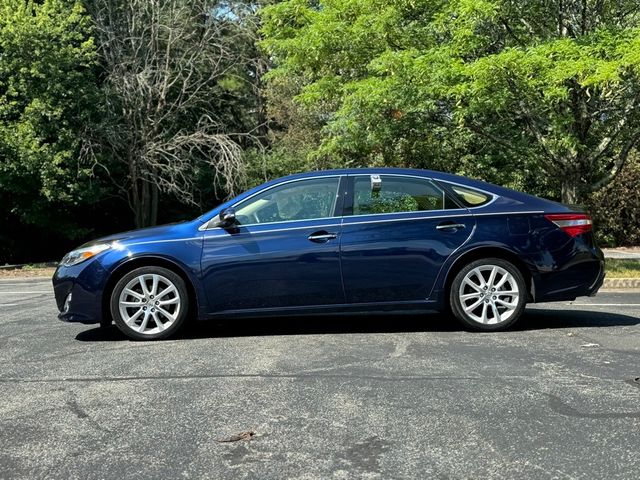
{"x":400,"y":231}
{"x":283,"y":252}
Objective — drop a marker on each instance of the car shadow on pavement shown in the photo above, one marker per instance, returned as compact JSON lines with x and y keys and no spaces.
{"x":542,"y":318}
{"x":532,"y":319}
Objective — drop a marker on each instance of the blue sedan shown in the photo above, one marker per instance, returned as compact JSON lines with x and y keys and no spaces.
{"x":340,"y":241}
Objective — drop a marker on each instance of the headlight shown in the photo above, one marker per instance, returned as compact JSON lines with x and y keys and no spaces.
{"x":81,"y":254}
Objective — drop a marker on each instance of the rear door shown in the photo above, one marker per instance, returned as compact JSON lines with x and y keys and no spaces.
{"x":397,"y":232}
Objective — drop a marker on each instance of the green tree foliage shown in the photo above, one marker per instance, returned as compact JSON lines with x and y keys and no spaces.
{"x":540,"y":94}
{"x":47,"y":91}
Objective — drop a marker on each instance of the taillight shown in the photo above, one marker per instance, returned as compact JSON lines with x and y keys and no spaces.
{"x":572,"y":223}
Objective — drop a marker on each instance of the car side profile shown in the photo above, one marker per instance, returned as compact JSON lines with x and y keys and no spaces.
{"x":339,"y":241}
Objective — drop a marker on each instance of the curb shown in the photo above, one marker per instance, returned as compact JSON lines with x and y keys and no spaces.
{"x":621,"y":253}
{"x":621,"y":283}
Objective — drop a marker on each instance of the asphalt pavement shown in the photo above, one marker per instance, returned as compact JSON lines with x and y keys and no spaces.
{"x":327,"y":397}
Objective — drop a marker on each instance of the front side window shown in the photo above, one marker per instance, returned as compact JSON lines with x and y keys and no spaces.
{"x":394,"y":194}
{"x":299,"y":200}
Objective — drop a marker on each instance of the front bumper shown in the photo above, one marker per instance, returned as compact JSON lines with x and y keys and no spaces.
{"x":84,"y":282}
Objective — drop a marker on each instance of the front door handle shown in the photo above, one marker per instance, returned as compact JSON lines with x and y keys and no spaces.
{"x":322,"y":236}
{"x":450,"y":226}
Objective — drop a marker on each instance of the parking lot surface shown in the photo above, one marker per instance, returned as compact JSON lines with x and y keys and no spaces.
{"x":327,"y":397}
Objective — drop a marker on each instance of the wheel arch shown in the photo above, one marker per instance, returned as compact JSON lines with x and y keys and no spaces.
{"x":147,"y":261}
{"x":490,"y":252}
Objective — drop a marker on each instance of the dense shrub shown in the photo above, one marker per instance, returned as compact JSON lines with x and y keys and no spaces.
{"x":616,"y":208}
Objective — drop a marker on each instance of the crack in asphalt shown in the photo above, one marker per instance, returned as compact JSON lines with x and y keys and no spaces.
{"x":559,"y":406}
{"x":81,"y":413}
{"x":239,"y":375}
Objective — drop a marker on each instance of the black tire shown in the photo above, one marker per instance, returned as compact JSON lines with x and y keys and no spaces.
{"x":470,"y":318}
{"x":181,"y":311}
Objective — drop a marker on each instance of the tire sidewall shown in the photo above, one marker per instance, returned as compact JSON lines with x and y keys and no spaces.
{"x":115,"y":304}
{"x":456,"y":306}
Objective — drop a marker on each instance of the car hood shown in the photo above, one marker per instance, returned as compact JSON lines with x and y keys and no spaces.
{"x":150,"y":233}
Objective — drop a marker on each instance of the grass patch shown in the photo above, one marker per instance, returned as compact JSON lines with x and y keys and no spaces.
{"x":33,"y":270}
{"x":618,"y":268}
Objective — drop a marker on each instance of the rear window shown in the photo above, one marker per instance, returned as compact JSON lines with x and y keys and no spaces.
{"x":470,"y":197}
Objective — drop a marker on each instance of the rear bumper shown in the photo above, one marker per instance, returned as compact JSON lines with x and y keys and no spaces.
{"x":593,"y":290}
{"x":582,"y":275}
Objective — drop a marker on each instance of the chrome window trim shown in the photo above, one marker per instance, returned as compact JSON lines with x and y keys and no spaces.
{"x":404,"y":213}
{"x":256,"y":232}
{"x":204,"y":227}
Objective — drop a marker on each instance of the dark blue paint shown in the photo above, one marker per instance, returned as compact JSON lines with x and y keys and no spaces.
{"x":396,"y":257}
{"x":274,"y":268}
{"x":376,"y":263}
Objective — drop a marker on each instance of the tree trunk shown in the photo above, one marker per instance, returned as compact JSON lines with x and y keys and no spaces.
{"x":570,"y":190}
{"x":153,"y":207}
{"x":144,"y":203}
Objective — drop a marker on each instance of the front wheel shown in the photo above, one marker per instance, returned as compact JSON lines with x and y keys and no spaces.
{"x":488,"y":295}
{"x":150,"y":303}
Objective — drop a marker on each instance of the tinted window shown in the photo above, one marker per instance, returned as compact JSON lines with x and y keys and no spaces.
{"x":393,"y":194}
{"x":299,"y":200}
{"x":470,"y":197}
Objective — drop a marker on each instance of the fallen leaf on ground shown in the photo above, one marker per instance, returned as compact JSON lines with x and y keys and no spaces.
{"x":237,"y":437}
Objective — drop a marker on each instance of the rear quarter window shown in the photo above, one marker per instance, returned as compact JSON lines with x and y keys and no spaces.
{"x":470,"y":197}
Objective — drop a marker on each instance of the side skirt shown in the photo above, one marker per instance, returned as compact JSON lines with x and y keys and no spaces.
{"x":424,"y":306}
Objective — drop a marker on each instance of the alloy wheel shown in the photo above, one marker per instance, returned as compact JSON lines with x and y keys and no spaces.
{"x":149,"y":304}
{"x":489,"y":294}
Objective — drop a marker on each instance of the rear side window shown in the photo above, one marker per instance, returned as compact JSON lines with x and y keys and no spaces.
{"x":470,"y":197}
{"x":390,"y":194}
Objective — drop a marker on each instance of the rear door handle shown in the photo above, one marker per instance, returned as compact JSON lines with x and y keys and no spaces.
{"x":450,"y":226}
{"x":322,"y":236}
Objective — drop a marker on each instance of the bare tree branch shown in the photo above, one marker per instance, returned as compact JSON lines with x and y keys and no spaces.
{"x":163,"y":62}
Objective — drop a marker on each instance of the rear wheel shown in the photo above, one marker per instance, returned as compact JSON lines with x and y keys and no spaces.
{"x":488,"y":294}
{"x":150,"y":303}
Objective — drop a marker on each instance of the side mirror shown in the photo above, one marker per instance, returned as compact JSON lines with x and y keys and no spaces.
{"x":226,"y":218}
